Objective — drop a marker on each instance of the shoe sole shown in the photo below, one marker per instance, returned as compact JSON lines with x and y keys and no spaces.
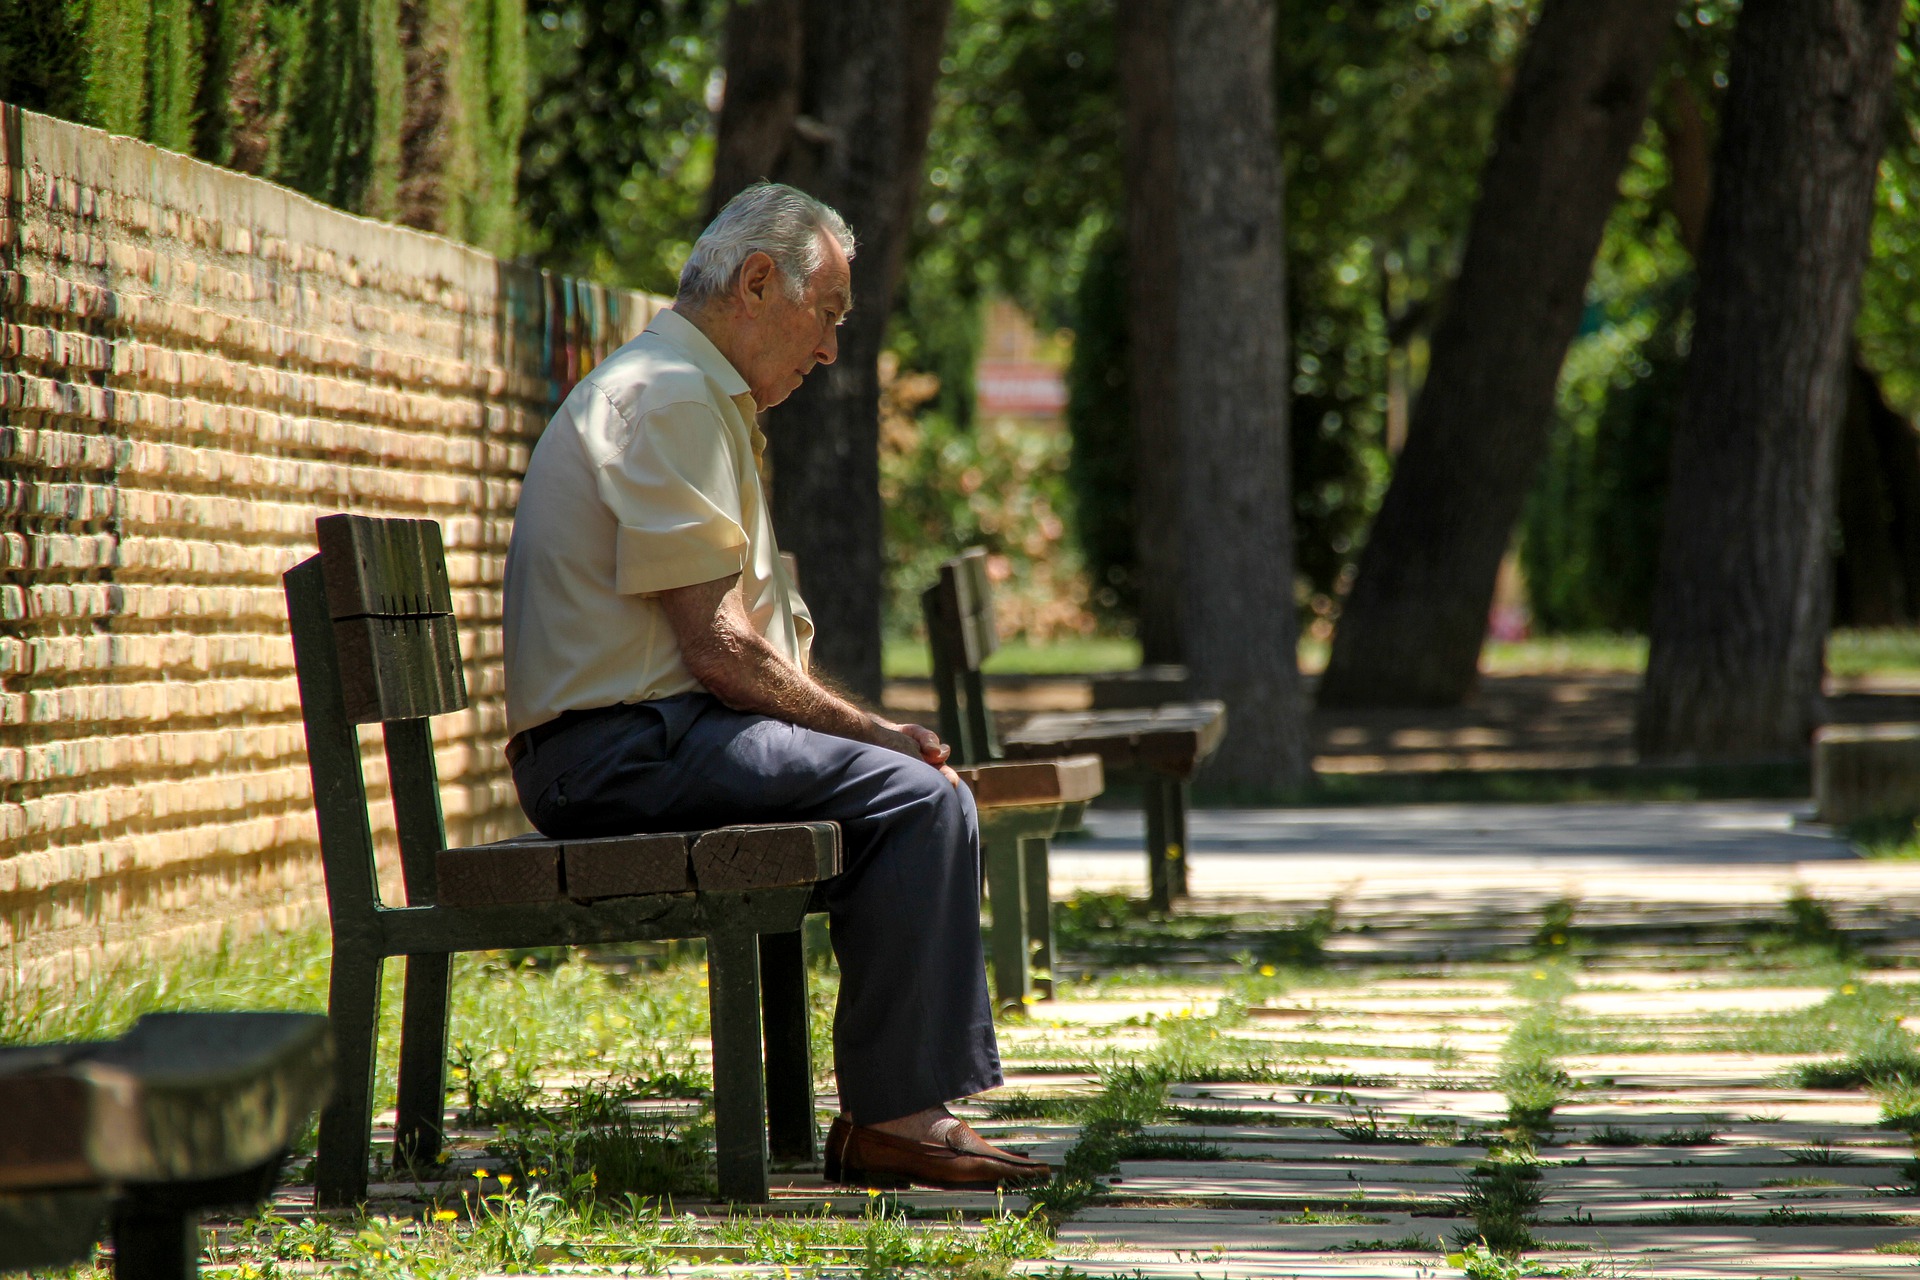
{"x":894,"y":1182}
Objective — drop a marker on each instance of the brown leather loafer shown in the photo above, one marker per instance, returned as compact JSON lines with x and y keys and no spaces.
{"x":866,"y":1157}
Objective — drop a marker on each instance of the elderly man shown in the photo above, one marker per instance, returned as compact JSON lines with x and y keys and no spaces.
{"x":656,"y":660}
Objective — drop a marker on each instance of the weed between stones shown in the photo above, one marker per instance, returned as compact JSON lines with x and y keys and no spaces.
{"x":1504,"y":1190}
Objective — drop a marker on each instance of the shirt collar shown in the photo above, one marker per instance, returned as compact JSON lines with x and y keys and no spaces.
{"x":682,"y":333}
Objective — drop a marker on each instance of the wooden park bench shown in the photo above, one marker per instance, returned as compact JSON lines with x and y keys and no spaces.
{"x":1022,"y":805}
{"x":1162,"y":746}
{"x":135,"y":1137}
{"x":374,"y":642}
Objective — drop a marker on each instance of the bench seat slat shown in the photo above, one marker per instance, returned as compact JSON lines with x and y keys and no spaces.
{"x":1064,"y":780}
{"x":766,"y":857}
{"x":528,"y":869}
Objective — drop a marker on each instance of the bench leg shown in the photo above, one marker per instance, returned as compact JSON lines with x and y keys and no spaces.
{"x":1176,"y":790}
{"x":1166,"y":804}
{"x":346,"y":1123}
{"x":1007,"y":891}
{"x":151,"y":1243}
{"x":739,"y":1102}
{"x":1159,"y":887}
{"x":791,"y":1131}
{"x":421,"y":1112}
{"x":1033,"y":853}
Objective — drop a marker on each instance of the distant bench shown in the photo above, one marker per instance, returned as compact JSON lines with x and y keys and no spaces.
{"x":375,"y":642}
{"x":135,"y":1137}
{"x":1162,"y":745}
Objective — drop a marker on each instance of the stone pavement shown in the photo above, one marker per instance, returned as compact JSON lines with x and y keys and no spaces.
{"x":1369,"y":1027}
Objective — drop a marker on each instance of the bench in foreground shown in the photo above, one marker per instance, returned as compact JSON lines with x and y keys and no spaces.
{"x":137,"y":1136}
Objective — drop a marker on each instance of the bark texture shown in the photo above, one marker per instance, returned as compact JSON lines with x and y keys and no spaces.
{"x":1411,"y":629}
{"x":1742,"y":601}
{"x":1153,"y":293}
{"x":1232,"y":368}
{"x":853,"y":132}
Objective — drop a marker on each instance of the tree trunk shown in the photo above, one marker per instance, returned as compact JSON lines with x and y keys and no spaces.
{"x":1870,"y":589}
{"x":856,"y":139}
{"x":764,"y":47}
{"x":1741,"y":605}
{"x":1233,"y":375}
{"x":1153,"y":293}
{"x":1410,"y":630}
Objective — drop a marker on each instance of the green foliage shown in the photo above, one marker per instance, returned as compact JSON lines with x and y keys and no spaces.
{"x":1001,"y":486}
{"x":113,"y":34}
{"x":345,"y":147}
{"x":1888,"y":330}
{"x":43,"y":60}
{"x":618,"y":146}
{"x":254,"y":51}
{"x":173,"y":74}
{"x":1131,"y":1098}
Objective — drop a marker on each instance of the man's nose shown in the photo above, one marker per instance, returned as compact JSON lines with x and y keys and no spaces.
{"x":829,"y":347}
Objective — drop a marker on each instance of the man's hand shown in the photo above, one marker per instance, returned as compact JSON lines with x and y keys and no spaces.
{"x":926,"y":743}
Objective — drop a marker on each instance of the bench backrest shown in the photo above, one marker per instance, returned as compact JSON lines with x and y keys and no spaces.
{"x":961,"y":637}
{"x":374,"y":642}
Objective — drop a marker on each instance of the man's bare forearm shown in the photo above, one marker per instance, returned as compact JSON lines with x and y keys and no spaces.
{"x":739,"y":666}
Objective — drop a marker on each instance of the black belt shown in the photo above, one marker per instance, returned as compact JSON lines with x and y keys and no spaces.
{"x":530,"y":739}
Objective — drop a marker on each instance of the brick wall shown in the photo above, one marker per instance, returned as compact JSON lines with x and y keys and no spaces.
{"x":193,"y":366}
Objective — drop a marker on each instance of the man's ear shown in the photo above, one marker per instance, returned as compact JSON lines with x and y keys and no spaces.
{"x":758,"y":280}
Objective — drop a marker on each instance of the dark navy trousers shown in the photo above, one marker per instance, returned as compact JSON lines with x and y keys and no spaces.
{"x":914,"y":1027}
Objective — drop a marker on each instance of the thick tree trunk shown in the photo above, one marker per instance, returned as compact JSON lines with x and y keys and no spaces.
{"x":764,"y":46}
{"x":1741,"y":605}
{"x":1153,"y":293}
{"x":1410,"y":630}
{"x":856,"y":139}
{"x":1232,"y":369}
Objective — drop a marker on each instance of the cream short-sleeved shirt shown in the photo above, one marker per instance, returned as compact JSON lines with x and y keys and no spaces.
{"x":645,"y":480}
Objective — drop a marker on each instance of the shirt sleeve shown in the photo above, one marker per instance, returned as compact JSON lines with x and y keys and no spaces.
{"x":675,"y":490}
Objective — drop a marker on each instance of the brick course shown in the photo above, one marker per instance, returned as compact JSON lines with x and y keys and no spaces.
{"x":194,"y":365}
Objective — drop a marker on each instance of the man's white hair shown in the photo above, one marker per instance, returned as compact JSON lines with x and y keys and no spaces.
{"x":772,"y":218}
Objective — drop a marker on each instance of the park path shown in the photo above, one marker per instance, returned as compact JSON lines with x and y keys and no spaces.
{"x":1341,"y":1024}
{"x":1680,"y":1146}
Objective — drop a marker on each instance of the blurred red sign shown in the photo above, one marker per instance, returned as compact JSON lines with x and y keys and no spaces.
{"x":1020,"y":389}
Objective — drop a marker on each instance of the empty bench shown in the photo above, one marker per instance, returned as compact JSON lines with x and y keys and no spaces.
{"x":1162,"y":746}
{"x":375,"y":643}
{"x":135,"y":1137}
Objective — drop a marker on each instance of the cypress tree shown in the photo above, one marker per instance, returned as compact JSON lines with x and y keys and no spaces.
{"x":343,"y":139}
{"x":173,"y":74}
{"x":114,"y":35}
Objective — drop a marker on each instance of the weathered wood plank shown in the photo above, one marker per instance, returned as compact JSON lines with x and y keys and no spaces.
{"x":508,"y":871}
{"x":400,"y":668}
{"x":766,"y":857}
{"x":389,"y":568}
{"x":617,"y":866}
{"x":181,"y":1096}
{"x":1021,"y":782}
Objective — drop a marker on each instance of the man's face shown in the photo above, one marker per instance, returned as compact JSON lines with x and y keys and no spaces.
{"x":783,"y":339}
